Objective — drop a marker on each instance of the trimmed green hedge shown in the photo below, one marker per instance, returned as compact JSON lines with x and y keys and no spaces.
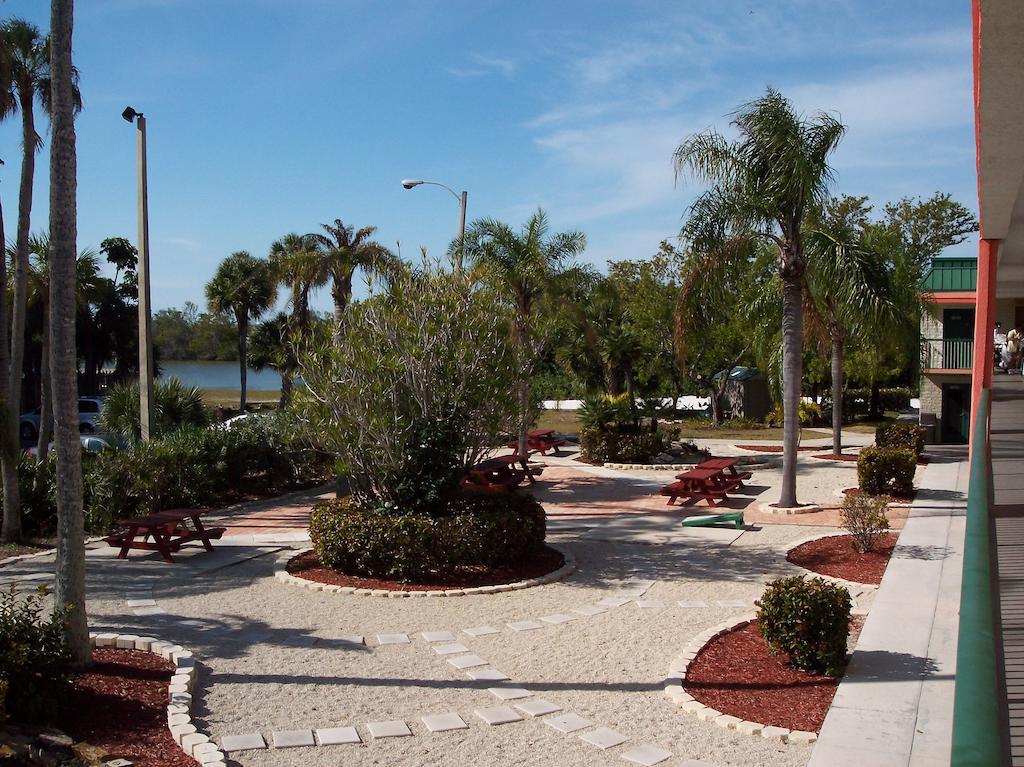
{"x":35,"y":662}
{"x":620,"y":443}
{"x":909,"y":436}
{"x":479,"y":528}
{"x":809,"y":620}
{"x":886,"y":470}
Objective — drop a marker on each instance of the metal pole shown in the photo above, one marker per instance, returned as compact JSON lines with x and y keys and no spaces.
{"x":145,"y":317}
{"x":462,"y":230}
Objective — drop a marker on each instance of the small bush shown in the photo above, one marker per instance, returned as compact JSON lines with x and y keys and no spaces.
{"x":894,"y":399}
{"x":602,"y":412}
{"x":886,"y":470}
{"x":909,"y":436}
{"x":35,"y":663}
{"x":623,"y":443}
{"x":478,"y":529}
{"x":175,"y":405}
{"x":863,"y":517}
{"x":808,"y":620}
{"x":811,"y":414}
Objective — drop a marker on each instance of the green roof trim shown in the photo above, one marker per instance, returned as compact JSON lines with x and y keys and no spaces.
{"x":951,"y":274}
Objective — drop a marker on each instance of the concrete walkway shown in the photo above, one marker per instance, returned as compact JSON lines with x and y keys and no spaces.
{"x":894,"y":706}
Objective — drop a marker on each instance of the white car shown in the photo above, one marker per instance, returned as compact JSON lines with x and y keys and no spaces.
{"x":89,"y":409}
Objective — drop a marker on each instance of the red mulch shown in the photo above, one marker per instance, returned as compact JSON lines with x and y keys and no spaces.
{"x":851,"y":457}
{"x":736,"y":674}
{"x":772,"y":448}
{"x":308,"y":566}
{"x":9,"y":550}
{"x":119,"y":704}
{"x":835,"y":556}
{"x":890,"y":498}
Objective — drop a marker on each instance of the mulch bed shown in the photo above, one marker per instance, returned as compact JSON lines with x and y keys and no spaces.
{"x":307,"y":565}
{"x":850,"y":457}
{"x":119,"y":704}
{"x":736,"y":674}
{"x":773,"y":448}
{"x":8,"y":550}
{"x":835,"y":556}
{"x":902,"y":499}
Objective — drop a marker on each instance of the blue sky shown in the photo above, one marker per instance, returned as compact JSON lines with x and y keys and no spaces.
{"x":267,"y":117}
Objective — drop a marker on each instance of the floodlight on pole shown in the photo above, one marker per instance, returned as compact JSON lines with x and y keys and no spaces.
{"x":410,"y":183}
{"x":145,"y":314}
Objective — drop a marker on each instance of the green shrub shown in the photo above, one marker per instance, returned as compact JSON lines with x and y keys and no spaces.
{"x":175,"y":405}
{"x":477,"y":529}
{"x":620,"y":443}
{"x":894,"y":399}
{"x":909,"y":436}
{"x":811,"y":414}
{"x":808,"y":620}
{"x":35,"y":663}
{"x":863,"y":517}
{"x":886,"y":470}
{"x":602,"y":412}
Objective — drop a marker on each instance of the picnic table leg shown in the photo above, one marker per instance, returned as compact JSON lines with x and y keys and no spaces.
{"x":162,"y":541}
{"x":126,"y":544}
{"x":202,"y":533}
{"x":529,"y":474}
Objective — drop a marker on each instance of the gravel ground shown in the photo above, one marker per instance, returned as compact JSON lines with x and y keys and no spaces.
{"x":257,"y":676}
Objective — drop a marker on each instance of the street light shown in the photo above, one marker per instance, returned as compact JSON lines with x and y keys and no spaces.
{"x":145,"y":317}
{"x":409,"y":183}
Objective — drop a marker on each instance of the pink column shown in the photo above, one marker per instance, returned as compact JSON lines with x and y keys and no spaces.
{"x":984,"y":322}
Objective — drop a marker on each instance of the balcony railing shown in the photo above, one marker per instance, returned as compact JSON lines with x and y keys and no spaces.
{"x":947,"y":353}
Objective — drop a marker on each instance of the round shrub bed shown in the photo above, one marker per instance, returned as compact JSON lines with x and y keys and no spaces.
{"x":835,"y":556}
{"x":473,"y":531}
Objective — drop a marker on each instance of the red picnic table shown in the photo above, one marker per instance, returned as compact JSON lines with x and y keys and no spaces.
{"x":710,"y":484}
{"x":501,"y":473}
{"x":539,"y":441}
{"x":168,"y":529}
{"x":728,"y":468}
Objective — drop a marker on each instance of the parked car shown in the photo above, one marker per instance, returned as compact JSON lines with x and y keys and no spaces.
{"x":89,"y":409}
{"x":91,"y":443}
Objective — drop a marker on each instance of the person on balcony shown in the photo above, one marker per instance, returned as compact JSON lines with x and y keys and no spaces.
{"x":999,"y":347}
{"x":1014,"y":348}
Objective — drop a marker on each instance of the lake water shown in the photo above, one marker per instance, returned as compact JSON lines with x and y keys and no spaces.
{"x":218,"y":375}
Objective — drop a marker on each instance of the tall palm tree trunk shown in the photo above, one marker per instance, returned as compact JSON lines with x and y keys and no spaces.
{"x":243,"y":360}
{"x":523,"y":387}
{"x":341,"y":293}
{"x":838,"y":348}
{"x":10,"y":529}
{"x":45,"y":398}
{"x":70,"y":571}
{"x":792,"y":373}
{"x":20,"y":310}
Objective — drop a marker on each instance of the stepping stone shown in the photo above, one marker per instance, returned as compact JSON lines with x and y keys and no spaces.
{"x":649,"y":604}
{"x":525,"y":626}
{"x":590,"y":611}
{"x":537,"y":707}
{"x":438,"y":636}
{"x":392,"y":729}
{"x":334,"y":736}
{"x":647,"y":755}
{"x":615,"y":601}
{"x":604,"y":738}
{"x":509,"y":693}
{"x":732,"y":603}
{"x":293,"y":738}
{"x":558,"y":618}
{"x":480,"y":631}
{"x":486,"y":675}
{"x":498,"y":715}
{"x":444,"y":722}
{"x":248,"y":742}
{"x":450,"y":649}
{"x":385,"y":639}
{"x":467,"y":661}
{"x":343,"y":639}
{"x":568,"y":723}
{"x":691,"y":604}
{"x":149,"y":611}
{"x":141,"y":602}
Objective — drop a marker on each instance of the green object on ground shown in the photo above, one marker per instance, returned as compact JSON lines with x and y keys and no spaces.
{"x":706,"y":520}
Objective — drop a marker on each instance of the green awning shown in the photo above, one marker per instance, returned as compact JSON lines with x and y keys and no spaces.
{"x":949,"y":274}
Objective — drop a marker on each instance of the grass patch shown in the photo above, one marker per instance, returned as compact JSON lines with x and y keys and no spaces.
{"x":230,"y":397}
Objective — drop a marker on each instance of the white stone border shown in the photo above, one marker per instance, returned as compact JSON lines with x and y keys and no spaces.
{"x":179,"y":692}
{"x":649,"y":466}
{"x":43,"y":553}
{"x":281,"y":573}
{"x":805,"y":508}
{"x":675,"y":688}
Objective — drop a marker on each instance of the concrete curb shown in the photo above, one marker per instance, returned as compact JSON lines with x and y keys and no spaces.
{"x":179,"y":693}
{"x":282,"y":574}
{"x":675,"y":688}
{"x":43,"y":553}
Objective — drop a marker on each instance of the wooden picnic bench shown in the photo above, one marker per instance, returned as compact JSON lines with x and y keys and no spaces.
{"x":728,"y":467}
{"x":168,"y":529}
{"x":708,"y":484}
{"x":501,"y":473}
{"x":539,"y":441}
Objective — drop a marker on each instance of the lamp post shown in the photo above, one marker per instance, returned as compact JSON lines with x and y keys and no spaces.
{"x":409,"y":183}
{"x":145,"y":316}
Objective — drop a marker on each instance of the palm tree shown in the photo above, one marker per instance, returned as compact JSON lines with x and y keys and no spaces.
{"x":761,"y":187}
{"x":28,"y":51}
{"x":244,"y":287}
{"x":343,"y":249}
{"x":298,"y":265}
{"x":10,"y":528}
{"x":70,"y":569}
{"x":523,"y":267}
{"x":271,"y":347}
